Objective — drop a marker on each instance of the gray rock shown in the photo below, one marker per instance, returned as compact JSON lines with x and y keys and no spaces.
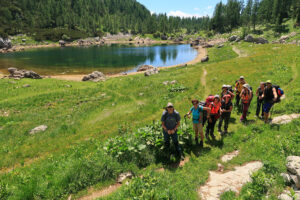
{"x":95,"y":77}
{"x":296,"y":180}
{"x":232,"y":38}
{"x":38,"y":129}
{"x":238,"y":39}
{"x":145,"y":68}
{"x":62,"y":43}
{"x":205,"y":59}
{"x":122,"y":177}
{"x":173,"y":82}
{"x":286,"y":177}
{"x":5,"y":43}
{"x":23,"y":40}
{"x":207,"y":45}
{"x":141,"y":94}
{"x":293,"y":165}
{"x":249,"y":38}
{"x":220,"y":46}
{"x":18,"y":74}
{"x":285,"y":196}
{"x":261,"y":40}
{"x":164,"y":37}
{"x":26,"y":86}
{"x":151,"y":72}
{"x":166,"y":82}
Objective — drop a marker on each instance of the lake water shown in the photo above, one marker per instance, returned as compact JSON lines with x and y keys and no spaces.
{"x":107,"y":59}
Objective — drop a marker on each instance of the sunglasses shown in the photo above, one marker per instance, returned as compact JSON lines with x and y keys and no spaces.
{"x":170,"y":107}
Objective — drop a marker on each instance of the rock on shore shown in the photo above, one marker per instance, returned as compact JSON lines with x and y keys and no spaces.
{"x":5,"y":43}
{"x":95,"y":77}
{"x":145,"y":68}
{"x":19,"y":74}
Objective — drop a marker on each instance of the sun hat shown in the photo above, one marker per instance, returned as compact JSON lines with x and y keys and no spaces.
{"x":242,"y":77}
{"x":247,"y":86}
{"x":217,"y":97}
{"x":169,"y":105}
{"x":224,"y":86}
{"x":269,"y":81}
{"x":195,"y":100}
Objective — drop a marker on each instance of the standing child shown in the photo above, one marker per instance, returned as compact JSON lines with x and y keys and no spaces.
{"x":246,"y":96}
{"x":214,"y":115}
{"x":197,"y":120}
{"x":226,"y":108}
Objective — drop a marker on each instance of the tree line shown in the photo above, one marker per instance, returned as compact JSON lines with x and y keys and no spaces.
{"x":50,"y":19}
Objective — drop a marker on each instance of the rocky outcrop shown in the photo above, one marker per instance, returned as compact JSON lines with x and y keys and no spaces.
{"x":286,"y":37}
{"x":5,"y":43}
{"x":19,"y":74}
{"x":164,"y":37}
{"x":261,"y":40}
{"x":151,"y":72}
{"x":95,"y":77}
{"x":145,"y":68}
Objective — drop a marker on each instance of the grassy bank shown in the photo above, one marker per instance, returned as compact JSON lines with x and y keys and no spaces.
{"x":70,"y":155}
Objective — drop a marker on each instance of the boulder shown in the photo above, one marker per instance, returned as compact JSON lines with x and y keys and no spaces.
{"x":249,"y":38}
{"x":95,"y":77}
{"x":122,"y":177}
{"x":220,"y":46}
{"x":23,"y":40}
{"x":15,"y":73}
{"x":145,"y":68}
{"x":38,"y":129}
{"x":62,"y":43}
{"x":207,"y":45}
{"x":205,"y":59}
{"x":151,"y":72}
{"x":238,"y":39}
{"x":26,"y":86}
{"x":5,"y":43}
{"x":195,"y":43}
{"x":286,"y":177}
{"x":173,"y":82}
{"x":164,"y":37}
{"x":232,"y":38}
{"x":261,"y":40}
{"x":293,"y":165}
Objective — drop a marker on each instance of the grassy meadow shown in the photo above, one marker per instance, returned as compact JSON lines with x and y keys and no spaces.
{"x":98,"y":130}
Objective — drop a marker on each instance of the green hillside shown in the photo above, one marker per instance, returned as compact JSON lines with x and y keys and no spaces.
{"x":78,"y":149}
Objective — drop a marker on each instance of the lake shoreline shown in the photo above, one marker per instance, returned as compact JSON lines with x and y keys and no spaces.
{"x":201,"y":53}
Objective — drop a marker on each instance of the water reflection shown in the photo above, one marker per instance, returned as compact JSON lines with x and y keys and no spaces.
{"x":108,"y":59}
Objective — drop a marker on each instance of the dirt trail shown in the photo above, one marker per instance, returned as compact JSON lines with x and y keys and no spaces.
{"x":241,"y":53}
{"x":203,"y":81}
{"x":201,"y":54}
{"x":219,"y":183}
{"x":101,"y":193}
{"x":230,"y":156}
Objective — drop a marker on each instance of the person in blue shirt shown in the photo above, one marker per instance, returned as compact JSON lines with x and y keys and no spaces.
{"x":197,"y":112}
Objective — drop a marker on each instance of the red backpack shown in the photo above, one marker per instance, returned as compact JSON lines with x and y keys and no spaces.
{"x":209,"y":100}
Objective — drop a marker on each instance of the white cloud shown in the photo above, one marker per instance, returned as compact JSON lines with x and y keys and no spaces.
{"x":196,"y":8}
{"x":209,"y":7}
{"x":179,"y":13}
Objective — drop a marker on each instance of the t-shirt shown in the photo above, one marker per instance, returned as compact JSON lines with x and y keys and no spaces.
{"x":226,"y":106}
{"x":196,"y":114}
{"x":269,"y":96}
{"x":170,"y":120}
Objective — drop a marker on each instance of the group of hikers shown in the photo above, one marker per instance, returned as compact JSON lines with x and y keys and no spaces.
{"x":219,"y":107}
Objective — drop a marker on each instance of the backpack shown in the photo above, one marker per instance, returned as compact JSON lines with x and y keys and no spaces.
{"x":279,"y":92}
{"x":202,"y":103}
{"x":209,"y":100}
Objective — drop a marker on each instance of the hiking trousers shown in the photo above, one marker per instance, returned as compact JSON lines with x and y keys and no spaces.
{"x":174,"y":139}
{"x":211,"y":126}
{"x":259,"y":107}
{"x":224,"y":117}
{"x":245,"y":110}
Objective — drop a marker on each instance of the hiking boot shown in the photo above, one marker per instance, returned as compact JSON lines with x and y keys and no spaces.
{"x":197,"y":140}
{"x":201,"y":144}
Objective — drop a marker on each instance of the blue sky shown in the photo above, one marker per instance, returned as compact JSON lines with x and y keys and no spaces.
{"x":182,"y":8}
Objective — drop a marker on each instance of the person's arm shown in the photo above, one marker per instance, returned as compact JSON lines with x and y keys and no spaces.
{"x":257,"y":92}
{"x":241,"y":94}
{"x":176,"y":127}
{"x":189,"y":114}
{"x":275,"y":94}
{"x":263,"y":94}
{"x":207,"y":109}
{"x":231,"y":94}
{"x":164,"y":126}
{"x":230,"y":109}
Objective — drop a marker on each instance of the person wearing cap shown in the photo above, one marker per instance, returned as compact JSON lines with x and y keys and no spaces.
{"x":170,"y":122}
{"x":246,"y":96}
{"x":226,"y":108}
{"x":269,"y":96}
{"x":197,"y":111}
{"x":214,"y":115}
{"x":238,"y":89}
{"x":259,"y":94}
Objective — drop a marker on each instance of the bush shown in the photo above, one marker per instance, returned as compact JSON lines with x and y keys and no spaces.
{"x":57,"y":34}
{"x":157,"y":35}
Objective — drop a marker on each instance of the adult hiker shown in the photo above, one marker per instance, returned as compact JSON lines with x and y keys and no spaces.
{"x":170,"y":122}
{"x":226,"y":108}
{"x":259,"y":94}
{"x":269,"y":96}
{"x":246,"y":96}
{"x":197,"y":112}
{"x":238,"y":89}
{"x":214,"y":115}
{"x":226,"y":91}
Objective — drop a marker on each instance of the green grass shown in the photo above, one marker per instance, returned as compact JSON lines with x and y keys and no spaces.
{"x":69,"y":157}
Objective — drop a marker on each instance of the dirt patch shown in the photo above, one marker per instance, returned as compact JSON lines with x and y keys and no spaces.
{"x":285,"y":119}
{"x":101,"y":193}
{"x":4,"y":113}
{"x":241,"y":53}
{"x":229,"y":156}
{"x":219,"y":183}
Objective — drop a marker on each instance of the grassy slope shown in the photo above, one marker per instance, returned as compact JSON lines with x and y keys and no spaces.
{"x":78,"y":115}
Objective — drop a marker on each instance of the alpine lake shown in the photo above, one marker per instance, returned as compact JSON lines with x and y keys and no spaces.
{"x":109,"y":59}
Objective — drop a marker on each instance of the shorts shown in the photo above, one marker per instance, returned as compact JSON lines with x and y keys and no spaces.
{"x":198,"y":127}
{"x":267,"y":107}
